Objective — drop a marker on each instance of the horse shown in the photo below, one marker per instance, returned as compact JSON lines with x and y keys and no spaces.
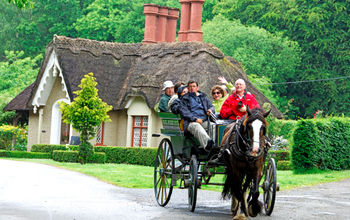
{"x":244,"y":153}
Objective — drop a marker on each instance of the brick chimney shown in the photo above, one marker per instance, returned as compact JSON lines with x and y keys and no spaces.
{"x":151,"y":18}
{"x":160,"y":24}
{"x":185,"y":20}
{"x":195,"y":33}
{"x":191,"y":20}
{"x":171,"y":26}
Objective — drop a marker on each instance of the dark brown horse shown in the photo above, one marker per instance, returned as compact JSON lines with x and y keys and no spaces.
{"x":244,"y":155}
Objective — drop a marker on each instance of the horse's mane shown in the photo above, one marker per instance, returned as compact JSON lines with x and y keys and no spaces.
{"x":256,"y":113}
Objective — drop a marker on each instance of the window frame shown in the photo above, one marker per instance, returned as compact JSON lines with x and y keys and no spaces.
{"x":140,"y":127}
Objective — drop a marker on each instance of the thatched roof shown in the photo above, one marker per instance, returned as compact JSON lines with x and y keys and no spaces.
{"x":125,"y":70}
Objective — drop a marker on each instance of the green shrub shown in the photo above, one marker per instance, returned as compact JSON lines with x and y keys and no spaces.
{"x":24,"y":154}
{"x":73,"y":147}
{"x":283,"y":128}
{"x":72,"y":156}
{"x":47,"y":148}
{"x":284,"y":165}
{"x":65,"y":156}
{"x":98,"y":157}
{"x":322,"y":144}
{"x":12,"y":138}
{"x":278,"y":155}
{"x":129,"y":155}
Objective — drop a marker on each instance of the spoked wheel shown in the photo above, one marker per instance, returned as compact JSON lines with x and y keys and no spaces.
{"x":269,"y":186}
{"x":193,"y":183}
{"x":164,"y":169}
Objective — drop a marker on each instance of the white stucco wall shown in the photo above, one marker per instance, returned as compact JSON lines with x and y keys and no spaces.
{"x":138,"y":107}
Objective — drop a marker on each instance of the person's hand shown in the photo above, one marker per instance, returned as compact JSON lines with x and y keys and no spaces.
{"x":209,"y":112}
{"x":243,"y":109}
{"x":198,"y":120}
{"x":222,"y":80}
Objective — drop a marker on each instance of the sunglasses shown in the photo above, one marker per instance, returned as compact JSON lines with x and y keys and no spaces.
{"x":216,"y":93}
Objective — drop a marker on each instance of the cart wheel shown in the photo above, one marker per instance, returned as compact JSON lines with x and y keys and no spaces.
{"x":193,"y":183}
{"x":164,"y":169}
{"x":269,"y":186}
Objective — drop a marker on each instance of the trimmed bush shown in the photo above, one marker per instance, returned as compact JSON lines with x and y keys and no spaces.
{"x":24,"y":154}
{"x":73,"y":147}
{"x":284,"y":165}
{"x":47,"y":148}
{"x":98,"y":157}
{"x":72,"y":156}
{"x":278,"y":155}
{"x":65,"y":156}
{"x":322,"y":144}
{"x":129,"y":155}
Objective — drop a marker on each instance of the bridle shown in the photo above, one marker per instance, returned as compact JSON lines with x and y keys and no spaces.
{"x":236,"y":148}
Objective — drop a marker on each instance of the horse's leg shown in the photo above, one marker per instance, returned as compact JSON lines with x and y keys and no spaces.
{"x":241,"y":196}
{"x":255,"y":206}
{"x":234,"y":205}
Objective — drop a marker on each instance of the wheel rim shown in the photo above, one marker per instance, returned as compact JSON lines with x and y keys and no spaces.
{"x":270,"y":187}
{"x":193,"y":181}
{"x":163,"y":172}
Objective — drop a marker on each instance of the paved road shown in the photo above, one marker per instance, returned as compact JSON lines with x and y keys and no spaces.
{"x":30,"y":191}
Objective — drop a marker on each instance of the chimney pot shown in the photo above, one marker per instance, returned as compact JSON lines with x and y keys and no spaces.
{"x":151,"y":12}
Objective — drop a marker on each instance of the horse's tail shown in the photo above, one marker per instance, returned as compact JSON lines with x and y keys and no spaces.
{"x":227,"y":191}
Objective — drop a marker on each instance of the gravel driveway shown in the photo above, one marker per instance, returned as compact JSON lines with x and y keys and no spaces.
{"x":42,"y":192}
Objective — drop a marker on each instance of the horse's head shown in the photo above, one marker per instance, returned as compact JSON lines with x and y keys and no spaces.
{"x":253,"y":130}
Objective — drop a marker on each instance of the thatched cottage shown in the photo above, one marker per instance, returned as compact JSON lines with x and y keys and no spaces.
{"x":129,"y":78}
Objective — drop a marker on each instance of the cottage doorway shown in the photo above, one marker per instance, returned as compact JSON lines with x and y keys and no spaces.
{"x":65,"y":131}
{"x":60,"y":132}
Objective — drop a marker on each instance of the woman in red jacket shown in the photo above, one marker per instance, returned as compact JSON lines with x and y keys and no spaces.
{"x":235,"y":106}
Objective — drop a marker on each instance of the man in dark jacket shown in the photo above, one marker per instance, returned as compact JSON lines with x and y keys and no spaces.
{"x":195,"y":109}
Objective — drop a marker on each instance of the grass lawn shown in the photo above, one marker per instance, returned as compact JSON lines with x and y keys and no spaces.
{"x":134,"y":176}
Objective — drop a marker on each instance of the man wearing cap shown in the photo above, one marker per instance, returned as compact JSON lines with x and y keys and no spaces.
{"x":168,"y":88}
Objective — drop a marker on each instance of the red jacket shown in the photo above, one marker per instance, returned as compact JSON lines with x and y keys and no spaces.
{"x":230,"y":107}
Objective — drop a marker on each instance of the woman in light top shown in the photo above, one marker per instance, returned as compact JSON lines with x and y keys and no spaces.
{"x":220,"y":94}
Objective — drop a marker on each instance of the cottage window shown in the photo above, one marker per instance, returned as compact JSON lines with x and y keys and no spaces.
{"x":99,"y":134}
{"x":139,"y":131}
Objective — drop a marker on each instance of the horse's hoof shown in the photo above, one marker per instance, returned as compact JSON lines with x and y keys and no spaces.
{"x":240,"y":217}
{"x":255,"y":208}
{"x":251,"y":212}
{"x":234,"y":206}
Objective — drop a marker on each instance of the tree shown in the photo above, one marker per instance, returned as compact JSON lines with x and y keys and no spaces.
{"x":116,"y":21}
{"x":21,"y":3}
{"x":85,"y":113}
{"x":321,"y":30}
{"x":17,"y":73}
{"x":260,"y":52}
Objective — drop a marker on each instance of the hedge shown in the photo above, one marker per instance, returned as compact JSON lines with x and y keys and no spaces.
{"x":284,"y":165}
{"x":47,"y":148}
{"x":24,"y":154}
{"x":322,"y":144}
{"x":129,"y":155}
{"x":278,"y":155}
{"x":72,"y":156}
{"x":98,"y":157}
{"x":65,"y":156}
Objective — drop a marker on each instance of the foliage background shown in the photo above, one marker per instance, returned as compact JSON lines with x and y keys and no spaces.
{"x":275,"y":40}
